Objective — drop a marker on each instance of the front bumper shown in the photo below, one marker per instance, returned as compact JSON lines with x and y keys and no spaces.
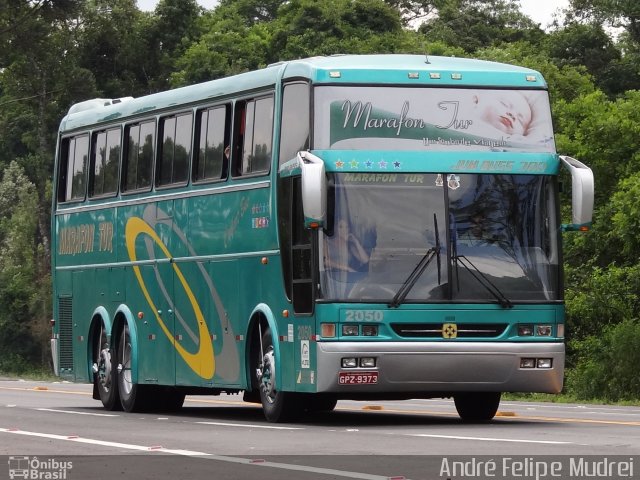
{"x":443,"y":367}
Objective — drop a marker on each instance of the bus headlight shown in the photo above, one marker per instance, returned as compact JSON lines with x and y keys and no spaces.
{"x":350,"y":330}
{"x":349,"y":362}
{"x":525,"y":330}
{"x":527,"y":363}
{"x":544,"y":330}
{"x":544,"y":363}
{"x":368,"y":362}
{"x":370,"y":330}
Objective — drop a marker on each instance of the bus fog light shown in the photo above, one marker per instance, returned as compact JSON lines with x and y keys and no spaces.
{"x":525,"y":330}
{"x":544,"y":330}
{"x":527,"y":363}
{"x":349,"y":362}
{"x":545,"y":363}
{"x":328,"y":330}
{"x":368,"y":362}
{"x":370,"y":330}
{"x":350,"y":330}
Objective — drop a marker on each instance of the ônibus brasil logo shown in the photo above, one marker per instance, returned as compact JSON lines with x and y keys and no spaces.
{"x":35,"y":469}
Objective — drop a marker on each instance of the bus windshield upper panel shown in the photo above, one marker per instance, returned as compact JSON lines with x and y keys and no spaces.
{"x":432,"y":119}
{"x":441,"y":237}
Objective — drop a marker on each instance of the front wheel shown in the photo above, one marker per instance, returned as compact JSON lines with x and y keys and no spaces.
{"x":278,"y":406}
{"x":477,"y":406}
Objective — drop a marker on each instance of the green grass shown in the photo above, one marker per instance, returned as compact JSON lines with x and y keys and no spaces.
{"x":39,"y":374}
{"x":565,"y":397}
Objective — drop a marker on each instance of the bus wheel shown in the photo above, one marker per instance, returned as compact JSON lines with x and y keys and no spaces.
{"x":133,"y":397}
{"x":104,"y":374}
{"x":477,"y":406}
{"x":278,"y":406}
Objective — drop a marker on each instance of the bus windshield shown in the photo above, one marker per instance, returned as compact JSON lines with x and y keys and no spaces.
{"x":432,"y":119}
{"x":491,"y":238}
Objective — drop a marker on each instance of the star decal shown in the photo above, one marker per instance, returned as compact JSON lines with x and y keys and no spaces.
{"x":339,"y":164}
{"x":397,"y":164}
{"x":382,"y":164}
{"x":353,"y":164}
{"x":368,"y":164}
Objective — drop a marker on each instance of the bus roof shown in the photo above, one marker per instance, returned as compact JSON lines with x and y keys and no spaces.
{"x":409,"y":70}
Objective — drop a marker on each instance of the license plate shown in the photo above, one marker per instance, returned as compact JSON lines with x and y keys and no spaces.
{"x":358,"y":378}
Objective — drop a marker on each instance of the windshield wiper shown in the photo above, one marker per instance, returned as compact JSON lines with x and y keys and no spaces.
{"x":418,"y":270}
{"x":482,"y":278}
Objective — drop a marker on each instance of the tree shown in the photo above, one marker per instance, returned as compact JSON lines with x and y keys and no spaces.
{"x":115,"y":45}
{"x":20,"y":316}
{"x":589,"y":45}
{"x":474,"y":24}
{"x":617,"y":14}
{"x":306,"y":28}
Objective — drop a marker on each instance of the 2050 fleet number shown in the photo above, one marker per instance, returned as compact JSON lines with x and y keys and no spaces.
{"x":364,"y":315}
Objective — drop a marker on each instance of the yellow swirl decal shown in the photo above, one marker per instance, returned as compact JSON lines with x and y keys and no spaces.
{"x":202,"y":362}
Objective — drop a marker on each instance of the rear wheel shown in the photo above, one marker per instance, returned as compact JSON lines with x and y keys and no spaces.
{"x":103,"y":372}
{"x":278,"y":406}
{"x":477,"y":406}
{"x":133,"y":397}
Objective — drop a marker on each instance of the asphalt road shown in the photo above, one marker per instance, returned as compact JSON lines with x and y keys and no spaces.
{"x":222,"y":437}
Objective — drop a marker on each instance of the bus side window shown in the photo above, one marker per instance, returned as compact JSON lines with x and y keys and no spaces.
{"x":253,"y":136}
{"x":175,"y":149}
{"x":105,"y":162}
{"x":211,"y":159}
{"x":138,"y":158}
{"x":294,"y":130}
{"x":73,"y":168}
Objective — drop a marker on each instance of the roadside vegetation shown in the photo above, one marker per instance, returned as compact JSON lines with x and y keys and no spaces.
{"x":54,"y":53}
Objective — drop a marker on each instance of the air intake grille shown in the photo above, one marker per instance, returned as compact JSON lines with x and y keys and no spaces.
{"x":65,"y":321}
{"x":434,"y":330}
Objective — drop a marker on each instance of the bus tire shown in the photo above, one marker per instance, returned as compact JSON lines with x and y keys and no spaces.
{"x":278,"y":406}
{"x":133,"y":397}
{"x":476,"y":407}
{"x":104,"y":378}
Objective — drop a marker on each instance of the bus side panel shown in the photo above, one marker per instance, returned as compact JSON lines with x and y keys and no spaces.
{"x":156,"y":354}
{"x":224,"y":321}
{"x":84,"y":294}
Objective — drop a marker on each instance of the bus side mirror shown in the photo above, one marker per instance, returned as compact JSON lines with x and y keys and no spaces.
{"x":314,"y":190}
{"x":582,"y":194}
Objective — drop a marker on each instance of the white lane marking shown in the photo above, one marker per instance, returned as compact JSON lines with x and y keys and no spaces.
{"x":248,"y":425}
{"x":489,"y":439}
{"x":207,"y":456}
{"x":77,"y":413}
{"x":92,"y":441}
{"x":581,"y":408}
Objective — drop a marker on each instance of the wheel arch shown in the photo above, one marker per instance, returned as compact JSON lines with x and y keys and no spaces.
{"x":122,"y":317}
{"x":261,"y":316}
